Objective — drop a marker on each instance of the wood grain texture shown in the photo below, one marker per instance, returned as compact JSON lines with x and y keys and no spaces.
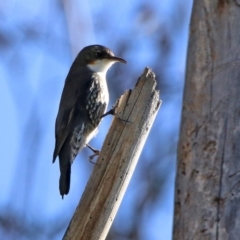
{"x":116,"y":162}
{"x":207,"y":188}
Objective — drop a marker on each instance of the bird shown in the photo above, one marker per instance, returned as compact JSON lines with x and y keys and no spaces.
{"x":83,"y":102}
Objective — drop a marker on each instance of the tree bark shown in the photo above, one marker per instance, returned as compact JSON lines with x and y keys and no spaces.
{"x":207,"y":186}
{"x":116,"y":162}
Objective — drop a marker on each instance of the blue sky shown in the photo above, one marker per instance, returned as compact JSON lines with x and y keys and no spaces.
{"x":38,"y":42}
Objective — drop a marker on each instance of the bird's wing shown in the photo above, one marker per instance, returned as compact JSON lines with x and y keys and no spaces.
{"x":73,"y":100}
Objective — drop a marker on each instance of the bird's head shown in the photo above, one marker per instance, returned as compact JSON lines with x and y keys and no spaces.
{"x":98,"y":58}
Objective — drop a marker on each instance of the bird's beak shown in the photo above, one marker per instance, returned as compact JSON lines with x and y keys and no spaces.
{"x":117,"y":59}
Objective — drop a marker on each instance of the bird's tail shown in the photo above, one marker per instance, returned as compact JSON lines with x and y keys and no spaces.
{"x":64,"y":181}
{"x":65,"y":169}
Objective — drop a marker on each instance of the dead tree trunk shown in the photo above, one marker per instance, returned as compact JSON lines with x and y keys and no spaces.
{"x":116,"y":162}
{"x":207,"y":191}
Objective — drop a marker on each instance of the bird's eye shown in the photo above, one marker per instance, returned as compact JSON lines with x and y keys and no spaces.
{"x":100,"y":54}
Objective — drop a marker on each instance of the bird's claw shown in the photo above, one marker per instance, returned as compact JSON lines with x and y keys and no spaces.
{"x":124,"y":120}
{"x":112,"y":112}
{"x":96,"y":153}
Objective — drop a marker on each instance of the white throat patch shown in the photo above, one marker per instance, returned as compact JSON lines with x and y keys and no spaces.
{"x":101,"y":66}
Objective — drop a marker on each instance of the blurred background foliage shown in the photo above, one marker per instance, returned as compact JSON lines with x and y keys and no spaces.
{"x":38,"y":42}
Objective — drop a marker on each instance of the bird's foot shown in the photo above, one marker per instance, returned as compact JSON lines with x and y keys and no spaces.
{"x":96,"y":153}
{"x":110,"y":112}
{"x":93,"y":156}
{"x":113,"y":112}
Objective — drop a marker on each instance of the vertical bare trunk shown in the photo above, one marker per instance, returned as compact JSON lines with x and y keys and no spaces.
{"x":207,"y":193}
